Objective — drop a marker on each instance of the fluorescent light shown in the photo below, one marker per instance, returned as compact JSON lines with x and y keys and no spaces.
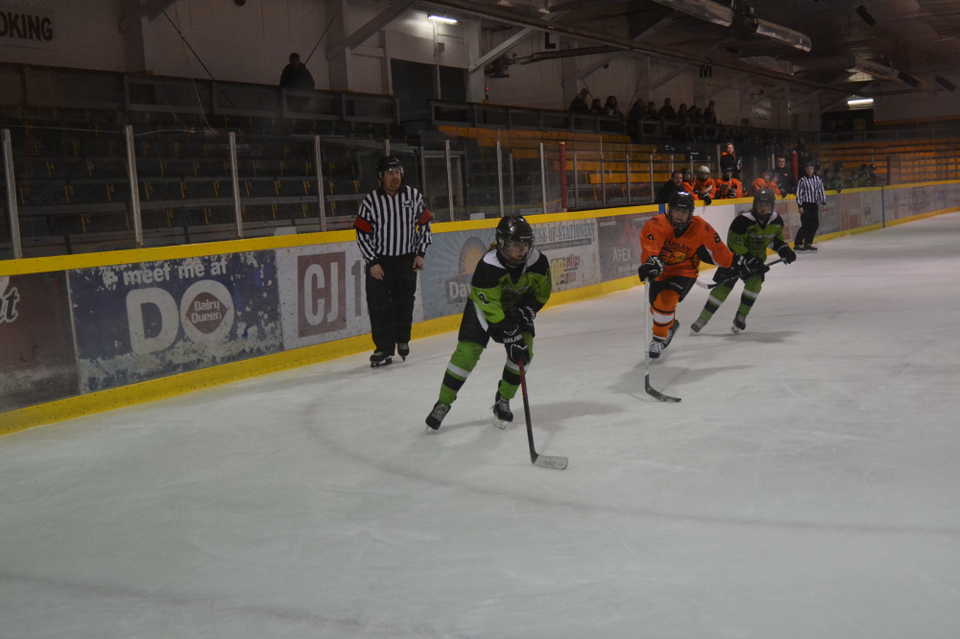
{"x":442,"y":19}
{"x":860,"y":102}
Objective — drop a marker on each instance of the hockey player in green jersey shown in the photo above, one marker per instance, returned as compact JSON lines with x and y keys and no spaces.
{"x":509,"y":287}
{"x":750,"y":233}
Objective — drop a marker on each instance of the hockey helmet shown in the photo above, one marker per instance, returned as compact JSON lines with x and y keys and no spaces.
{"x":763,"y":203}
{"x":680,"y":211}
{"x":703,"y":172}
{"x":388,"y":163}
{"x":514,"y":240}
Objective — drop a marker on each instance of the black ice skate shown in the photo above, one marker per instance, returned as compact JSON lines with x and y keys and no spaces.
{"x":810,"y":248}
{"x":697,"y":326}
{"x":502,"y":415}
{"x":656,"y":347}
{"x":739,"y":324}
{"x":380,"y":358}
{"x":436,"y":416}
{"x":403,"y":350}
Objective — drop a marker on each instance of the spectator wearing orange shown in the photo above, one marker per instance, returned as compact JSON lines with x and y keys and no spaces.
{"x":729,"y":187}
{"x":764,"y":182}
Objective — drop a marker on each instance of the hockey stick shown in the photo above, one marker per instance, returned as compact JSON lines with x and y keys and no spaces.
{"x":732,"y":279}
{"x":651,"y":391}
{"x":544,"y":461}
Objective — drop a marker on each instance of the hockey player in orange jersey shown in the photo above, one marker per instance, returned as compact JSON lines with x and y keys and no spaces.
{"x":674,"y":244}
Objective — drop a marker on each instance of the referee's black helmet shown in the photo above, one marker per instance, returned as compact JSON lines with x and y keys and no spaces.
{"x":388,"y":163}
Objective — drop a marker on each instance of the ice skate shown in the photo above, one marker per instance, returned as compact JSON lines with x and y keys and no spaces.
{"x":697,"y":326}
{"x":502,"y":415}
{"x":656,"y":347}
{"x":670,"y":333}
{"x":403,"y":350}
{"x":739,"y":324}
{"x":810,"y":248}
{"x":380,"y":358}
{"x":435,"y":418}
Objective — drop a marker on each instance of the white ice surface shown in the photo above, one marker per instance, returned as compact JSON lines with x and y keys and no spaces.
{"x":807,"y":486}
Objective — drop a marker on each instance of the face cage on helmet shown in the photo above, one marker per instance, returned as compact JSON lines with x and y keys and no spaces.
{"x":504,"y":244}
{"x":679,"y":209}
{"x":756,"y":209}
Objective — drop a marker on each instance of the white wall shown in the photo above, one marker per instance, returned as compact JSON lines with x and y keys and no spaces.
{"x":251,"y":43}
{"x":85,"y":36}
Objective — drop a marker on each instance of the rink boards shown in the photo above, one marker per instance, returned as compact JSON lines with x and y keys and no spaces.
{"x":86,"y":333}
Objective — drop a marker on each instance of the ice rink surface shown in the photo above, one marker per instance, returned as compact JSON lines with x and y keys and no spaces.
{"x":808,"y":485}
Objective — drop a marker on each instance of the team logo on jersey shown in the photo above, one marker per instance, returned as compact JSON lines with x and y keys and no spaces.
{"x":672,"y":255}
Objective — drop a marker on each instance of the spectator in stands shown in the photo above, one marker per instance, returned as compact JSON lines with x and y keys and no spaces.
{"x":689,"y":134}
{"x":765,"y":181}
{"x":295,"y":76}
{"x":611,"y":107}
{"x":784,"y":176}
{"x":710,"y":114}
{"x":682,"y":115}
{"x":666,"y":111}
{"x":671,"y":186}
{"x":872,"y":172}
{"x":730,"y":161}
{"x":579,"y":104}
{"x":652,"y":113}
{"x":596,"y":107}
{"x":729,"y":187}
{"x":393,"y":233}
{"x":854,"y":180}
{"x":804,"y":156}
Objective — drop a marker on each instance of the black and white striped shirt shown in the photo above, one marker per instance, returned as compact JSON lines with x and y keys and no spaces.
{"x":810,"y":190}
{"x":393,"y":225}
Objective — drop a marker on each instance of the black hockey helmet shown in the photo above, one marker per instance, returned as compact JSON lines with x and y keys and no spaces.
{"x":388,"y":163}
{"x":513,"y":231}
{"x":764,"y":197}
{"x":680,"y":211}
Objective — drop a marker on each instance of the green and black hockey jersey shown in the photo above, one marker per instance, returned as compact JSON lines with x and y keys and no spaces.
{"x":495,"y":290}
{"x":747,"y":236}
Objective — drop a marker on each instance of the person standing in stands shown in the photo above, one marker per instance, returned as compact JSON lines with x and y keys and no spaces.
{"x":393,"y":233}
{"x":810,"y":195}
{"x":666,"y":111}
{"x":296,"y":76}
{"x":579,"y":104}
{"x":730,"y":161}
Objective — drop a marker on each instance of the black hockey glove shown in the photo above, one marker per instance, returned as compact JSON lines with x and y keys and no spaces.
{"x":522,"y":315}
{"x":787,"y":254}
{"x":748,"y":266}
{"x":517,"y":348}
{"x":651,"y":268}
{"x":707,"y":200}
{"x":501,"y":331}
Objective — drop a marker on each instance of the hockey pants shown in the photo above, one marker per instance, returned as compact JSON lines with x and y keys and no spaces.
{"x":751,"y":290}
{"x":664,"y":295}
{"x":473,"y":339}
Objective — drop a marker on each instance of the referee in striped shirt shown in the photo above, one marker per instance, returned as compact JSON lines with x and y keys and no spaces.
{"x":810,"y":195}
{"x":393,"y":233}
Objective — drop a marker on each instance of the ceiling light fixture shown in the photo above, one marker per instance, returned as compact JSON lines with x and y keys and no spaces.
{"x":442,"y":19}
{"x":860,"y":102}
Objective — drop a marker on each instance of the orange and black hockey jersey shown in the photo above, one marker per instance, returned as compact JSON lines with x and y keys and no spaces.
{"x":682,"y":255}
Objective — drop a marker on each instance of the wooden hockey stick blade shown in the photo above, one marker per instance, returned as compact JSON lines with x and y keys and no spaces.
{"x":546,"y":461}
{"x":652,"y":392}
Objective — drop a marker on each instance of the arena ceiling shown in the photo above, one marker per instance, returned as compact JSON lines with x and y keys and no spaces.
{"x":833,"y":47}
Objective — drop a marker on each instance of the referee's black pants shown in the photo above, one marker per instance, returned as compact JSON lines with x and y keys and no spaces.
{"x":809,"y":223}
{"x":390,"y":301}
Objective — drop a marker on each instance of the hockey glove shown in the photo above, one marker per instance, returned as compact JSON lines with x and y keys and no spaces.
{"x":522,"y":315}
{"x":517,"y":348}
{"x":748,"y":266}
{"x":707,"y":200}
{"x":501,"y":331}
{"x":787,"y":254}
{"x":651,"y":268}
